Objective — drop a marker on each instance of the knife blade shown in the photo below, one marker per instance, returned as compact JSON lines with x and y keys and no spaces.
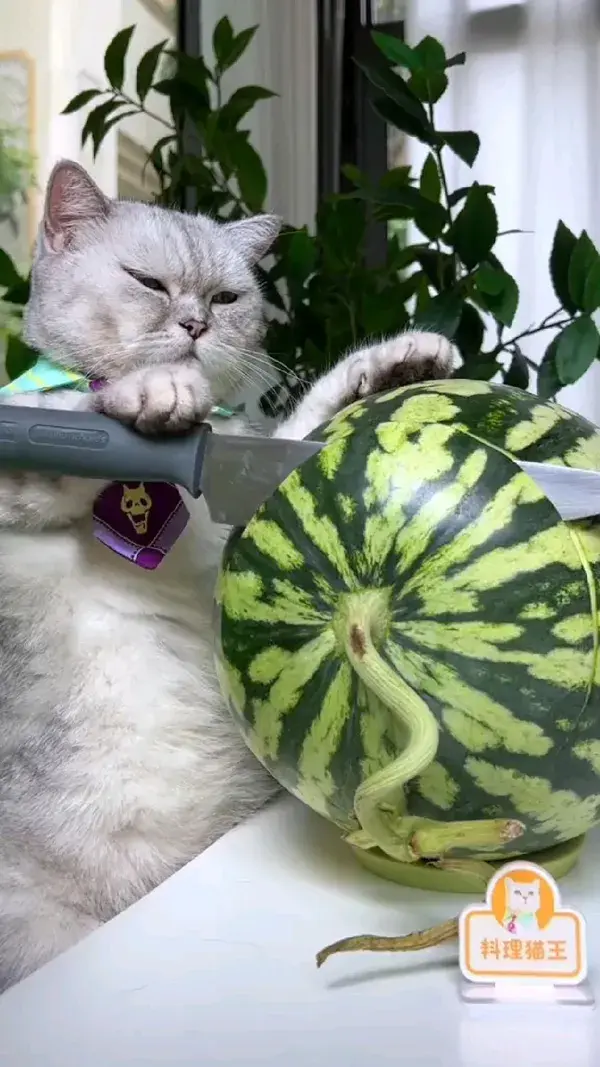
{"x":240,"y":473}
{"x":574,"y":492}
{"x":235,"y":474}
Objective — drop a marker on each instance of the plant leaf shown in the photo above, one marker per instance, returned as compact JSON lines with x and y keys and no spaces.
{"x":464,"y":143}
{"x":222,"y":41}
{"x":397,"y":116}
{"x":9,"y":274}
{"x":241,"y":102}
{"x":397,"y":51}
{"x":428,"y":85}
{"x":114,"y":57}
{"x":227,"y":46}
{"x":438,"y":266}
{"x":548,"y":381}
{"x":185,"y":100}
{"x":498,"y":292}
{"x":19,"y":357}
{"x":591,"y":289}
{"x":240,"y":44}
{"x":396,"y":89}
{"x":481,"y":368}
{"x":431,"y":54}
{"x":80,"y":100}
{"x":583,"y":258}
{"x":458,"y":60}
{"x":108,"y":125}
{"x":430,"y":218}
{"x":489,"y":280}
{"x":355,"y":175}
{"x":517,"y":374}
{"x":95,"y":123}
{"x":462,"y":193}
{"x":474,"y":230}
{"x":146,"y":69}
{"x":470,"y":332}
{"x":300,"y":253}
{"x":394,"y":178}
{"x":429,"y":80}
{"x":19,"y":293}
{"x":249,"y":171}
{"x":562,"y":249}
{"x":576,"y":349}
{"x":155,"y":156}
{"x":430,"y":185}
{"x":269,"y":289}
{"x":441,"y":315}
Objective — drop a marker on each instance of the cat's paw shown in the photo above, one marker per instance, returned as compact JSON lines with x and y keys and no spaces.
{"x":168,"y":399}
{"x":403,"y":360}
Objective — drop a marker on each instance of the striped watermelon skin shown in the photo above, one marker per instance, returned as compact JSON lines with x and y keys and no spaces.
{"x":487,"y":607}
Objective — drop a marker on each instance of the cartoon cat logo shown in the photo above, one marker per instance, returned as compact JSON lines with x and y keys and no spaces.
{"x":523,"y":901}
{"x":522,"y":905}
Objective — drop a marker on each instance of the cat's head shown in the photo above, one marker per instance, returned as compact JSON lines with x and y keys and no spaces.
{"x":117,"y":285}
{"x":523,"y":896}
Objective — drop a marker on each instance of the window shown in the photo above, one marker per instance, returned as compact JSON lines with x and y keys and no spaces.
{"x":349,"y":129}
{"x":165,"y":10}
{"x":389,"y":10}
{"x":135,"y":180}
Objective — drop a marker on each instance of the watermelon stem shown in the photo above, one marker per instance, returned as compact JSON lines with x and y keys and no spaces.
{"x":362,"y":623}
{"x":434,"y":935}
{"x":363,"y":618}
{"x":432,"y":839}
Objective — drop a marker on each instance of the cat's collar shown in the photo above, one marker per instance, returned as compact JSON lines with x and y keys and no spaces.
{"x":46,"y":375}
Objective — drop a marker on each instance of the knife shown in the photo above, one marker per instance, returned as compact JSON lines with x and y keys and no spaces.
{"x":235,"y":474}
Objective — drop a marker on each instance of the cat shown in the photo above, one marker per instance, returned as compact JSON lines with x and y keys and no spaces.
{"x":119,"y":762}
{"x":522,"y":904}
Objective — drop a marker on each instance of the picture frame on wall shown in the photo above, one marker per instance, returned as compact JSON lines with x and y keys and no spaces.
{"x":17,"y":160}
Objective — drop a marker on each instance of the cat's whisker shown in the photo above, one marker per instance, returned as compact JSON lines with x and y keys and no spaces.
{"x":270,"y":364}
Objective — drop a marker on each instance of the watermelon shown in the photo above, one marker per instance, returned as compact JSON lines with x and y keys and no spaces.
{"x":408,"y":632}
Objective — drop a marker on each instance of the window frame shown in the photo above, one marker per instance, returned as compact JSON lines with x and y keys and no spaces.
{"x":348,"y":129}
{"x":189,"y":40}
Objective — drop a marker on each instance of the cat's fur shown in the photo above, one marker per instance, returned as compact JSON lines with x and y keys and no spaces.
{"x":118,"y":760}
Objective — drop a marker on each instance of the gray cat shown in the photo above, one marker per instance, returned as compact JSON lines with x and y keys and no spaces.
{"x":118,"y":760}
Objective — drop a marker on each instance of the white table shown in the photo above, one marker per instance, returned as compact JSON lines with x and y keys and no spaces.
{"x":217,"y":967}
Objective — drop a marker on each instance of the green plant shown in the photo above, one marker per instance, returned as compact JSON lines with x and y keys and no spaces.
{"x":16,"y":175}
{"x":16,"y":178}
{"x":322,"y":296}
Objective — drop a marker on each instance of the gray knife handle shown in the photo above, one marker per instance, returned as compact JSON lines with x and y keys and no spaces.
{"x":89,"y":445}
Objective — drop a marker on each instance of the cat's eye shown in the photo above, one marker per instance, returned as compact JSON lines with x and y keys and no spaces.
{"x":225,"y":297}
{"x":147,"y":281}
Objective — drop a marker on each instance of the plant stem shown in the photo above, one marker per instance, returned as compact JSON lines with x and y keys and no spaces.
{"x":437,"y":154}
{"x":546,"y":324}
{"x":144,"y":110}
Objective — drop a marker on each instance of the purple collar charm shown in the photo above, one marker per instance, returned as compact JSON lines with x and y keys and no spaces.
{"x":140,"y":521}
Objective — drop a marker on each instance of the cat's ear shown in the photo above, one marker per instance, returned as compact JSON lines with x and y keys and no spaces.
{"x":72,"y":199}
{"x":254,"y":236}
{"x":509,"y":883}
{"x":535,"y":884}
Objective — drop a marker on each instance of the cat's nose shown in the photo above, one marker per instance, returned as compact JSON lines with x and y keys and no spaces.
{"x":194,"y":327}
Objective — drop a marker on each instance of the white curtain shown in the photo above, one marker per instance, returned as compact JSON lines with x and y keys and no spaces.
{"x":283,"y":58}
{"x":530,"y":89}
